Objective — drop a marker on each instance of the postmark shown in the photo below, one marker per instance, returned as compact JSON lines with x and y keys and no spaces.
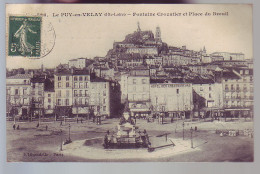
{"x":24,"y":36}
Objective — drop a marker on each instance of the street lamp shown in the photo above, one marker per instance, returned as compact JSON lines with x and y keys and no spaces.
{"x":60,"y":139}
{"x":69,"y":132}
{"x":183,"y":130}
{"x":191,"y":140}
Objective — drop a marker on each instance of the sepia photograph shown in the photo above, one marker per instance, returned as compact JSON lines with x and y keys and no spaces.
{"x":129,"y":83}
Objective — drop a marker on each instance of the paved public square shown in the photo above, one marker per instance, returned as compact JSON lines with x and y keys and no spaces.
{"x":30,"y":143}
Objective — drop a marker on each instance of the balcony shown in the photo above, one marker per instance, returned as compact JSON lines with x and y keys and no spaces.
{"x":81,"y":95}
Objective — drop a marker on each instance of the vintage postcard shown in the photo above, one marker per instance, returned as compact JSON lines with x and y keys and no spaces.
{"x":129,"y":83}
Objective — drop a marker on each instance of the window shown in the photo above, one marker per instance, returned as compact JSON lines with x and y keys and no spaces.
{"x":67,"y":102}
{"x":80,"y":93}
{"x":59,"y":94}
{"x":49,"y":100}
{"x":67,"y":84}
{"x":24,"y":91}
{"x":49,"y":95}
{"x":105,"y":85}
{"x":75,"y":93}
{"x":80,"y":101}
{"x":104,"y":108}
{"x":104,"y":100}
{"x":75,"y":85}
{"x":49,"y":106}
{"x":59,"y":102}
{"x":75,"y":78}
{"x":86,"y":84}
{"x":39,"y":92}
{"x":226,"y":87}
{"x":24,"y":81}
{"x":134,"y":81}
{"x":210,"y":88}
{"x":80,"y":78}
{"x":238,"y":87}
{"x":59,"y":84}
{"x":59,"y":78}
{"x":163,"y":108}
{"x":16,"y":91}
{"x":201,"y":88}
{"x":67,"y":93}
{"x":81,"y":85}
{"x":209,"y":95}
{"x":177,"y":91}
{"x":67,"y":78}
{"x":104,"y":93}
{"x":86,"y":101}
{"x":86,"y":78}
{"x":24,"y":101}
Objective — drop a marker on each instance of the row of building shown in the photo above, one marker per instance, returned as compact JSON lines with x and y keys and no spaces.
{"x":78,"y":92}
{"x":71,"y":92}
{"x":142,"y":72}
{"x":231,"y":93}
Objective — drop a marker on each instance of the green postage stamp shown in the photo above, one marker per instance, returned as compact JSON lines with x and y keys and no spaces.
{"x":24,"y":36}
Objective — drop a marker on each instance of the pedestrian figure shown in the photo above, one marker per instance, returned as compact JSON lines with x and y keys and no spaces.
{"x":38,"y":125}
{"x":195,"y":128}
{"x":172,"y":120}
{"x":46,"y":127}
{"x":107,"y":132}
{"x":18,"y":127}
{"x":14,"y":126}
{"x":77,"y":120}
{"x":81,"y":120}
{"x":60,"y":123}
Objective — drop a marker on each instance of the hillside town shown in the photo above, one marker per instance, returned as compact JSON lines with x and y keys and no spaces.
{"x":141,"y":72}
{"x":185,"y":102}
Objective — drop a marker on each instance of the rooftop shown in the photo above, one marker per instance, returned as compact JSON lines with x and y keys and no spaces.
{"x":99,"y":79}
{"x":20,"y":76}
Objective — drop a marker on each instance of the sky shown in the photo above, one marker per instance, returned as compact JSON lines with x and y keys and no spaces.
{"x":94,"y":36}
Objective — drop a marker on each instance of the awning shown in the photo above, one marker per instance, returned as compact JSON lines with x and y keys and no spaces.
{"x":237,"y":109}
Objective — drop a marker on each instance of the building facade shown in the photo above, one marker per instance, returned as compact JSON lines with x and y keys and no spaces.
{"x":138,"y":95}
{"x":81,"y":93}
{"x":18,"y":95}
{"x":100,"y":97}
{"x":238,"y":92}
{"x":37,"y":95}
{"x":172,"y":99}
